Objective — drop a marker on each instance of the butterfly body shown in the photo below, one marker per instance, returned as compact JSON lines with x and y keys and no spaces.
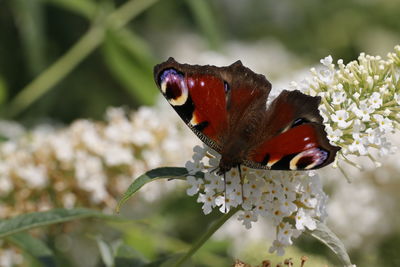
{"x":226,"y":107}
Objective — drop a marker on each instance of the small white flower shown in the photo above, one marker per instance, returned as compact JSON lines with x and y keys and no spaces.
{"x":275,"y":212}
{"x":288,"y":207}
{"x":209,"y":201}
{"x":286,"y":232}
{"x":226,"y":202}
{"x":232,"y":181}
{"x":278,"y":247}
{"x":195,"y":185}
{"x":385,"y":124}
{"x":215,"y":182}
{"x":248,"y":217}
{"x":358,"y":126}
{"x":375,"y":100}
{"x":199,"y":153}
{"x":327,"y":61}
{"x":253,"y":187}
{"x":363,"y":111}
{"x":358,"y":145}
{"x":194,"y":166}
{"x":338,"y":97}
{"x":304,"y":220}
{"x":341,"y":117}
{"x":333,"y":135}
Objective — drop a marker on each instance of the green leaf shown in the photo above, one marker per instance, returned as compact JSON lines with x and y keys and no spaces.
{"x":36,"y":219}
{"x":34,"y":247}
{"x":129,"y":69}
{"x":155,"y":174}
{"x":327,"y":237}
{"x":136,"y":46}
{"x":204,"y":17}
{"x":30,"y":24}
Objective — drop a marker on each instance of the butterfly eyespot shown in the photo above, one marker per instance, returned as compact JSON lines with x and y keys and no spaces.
{"x":309,"y":159}
{"x":299,"y":122}
{"x":173,"y":86}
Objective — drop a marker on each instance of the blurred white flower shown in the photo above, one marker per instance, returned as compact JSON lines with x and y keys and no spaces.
{"x":35,"y":176}
{"x":89,"y":163}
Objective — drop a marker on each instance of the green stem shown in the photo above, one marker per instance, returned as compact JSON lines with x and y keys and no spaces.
{"x":65,"y":64}
{"x":199,"y":243}
{"x":52,"y":75}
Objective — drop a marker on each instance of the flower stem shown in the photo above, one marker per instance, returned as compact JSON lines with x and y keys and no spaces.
{"x":199,"y":243}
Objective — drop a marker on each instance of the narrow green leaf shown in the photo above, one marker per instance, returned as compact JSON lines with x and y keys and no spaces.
{"x":135,"y":77}
{"x":155,"y":174}
{"x":34,"y":247}
{"x":37,"y":219}
{"x":136,"y":46}
{"x":30,"y":24}
{"x":327,"y":237}
{"x":206,"y":20}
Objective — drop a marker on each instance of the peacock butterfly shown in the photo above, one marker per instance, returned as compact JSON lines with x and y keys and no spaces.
{"x":226,"y":107}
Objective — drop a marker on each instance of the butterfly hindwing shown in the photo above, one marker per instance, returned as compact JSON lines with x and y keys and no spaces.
{"x":294,"y":138}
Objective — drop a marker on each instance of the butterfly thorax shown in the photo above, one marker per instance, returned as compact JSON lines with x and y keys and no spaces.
{"x":235,"y":149}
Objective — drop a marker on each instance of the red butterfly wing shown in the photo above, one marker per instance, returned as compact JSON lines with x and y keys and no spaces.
{"x":203,"y":96}
{"x":294,"y":137}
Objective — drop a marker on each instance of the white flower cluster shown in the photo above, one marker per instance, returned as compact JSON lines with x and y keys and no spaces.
{"x":293,"y":201}
{"x":360,"y":102}
{"x":88,"y":163}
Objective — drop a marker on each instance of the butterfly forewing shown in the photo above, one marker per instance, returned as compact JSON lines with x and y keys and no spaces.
{"x":198,"y":96}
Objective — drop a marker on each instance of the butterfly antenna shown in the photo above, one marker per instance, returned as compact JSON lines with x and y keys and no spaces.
{"x":213,"y":170}
{"x":225,"y":189}
{"x":241,"y":180}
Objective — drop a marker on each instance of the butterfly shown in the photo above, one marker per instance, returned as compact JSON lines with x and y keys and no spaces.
{"x":226,"y":107}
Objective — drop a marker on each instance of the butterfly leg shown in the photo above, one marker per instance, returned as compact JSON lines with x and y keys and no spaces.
{"x":225,"y":190}
{"x":213,"y":170}
{"x":241,"y":180}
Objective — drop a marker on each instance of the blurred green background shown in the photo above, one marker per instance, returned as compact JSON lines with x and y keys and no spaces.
{"x":61,"y":60}
{"x":113,"y":66}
